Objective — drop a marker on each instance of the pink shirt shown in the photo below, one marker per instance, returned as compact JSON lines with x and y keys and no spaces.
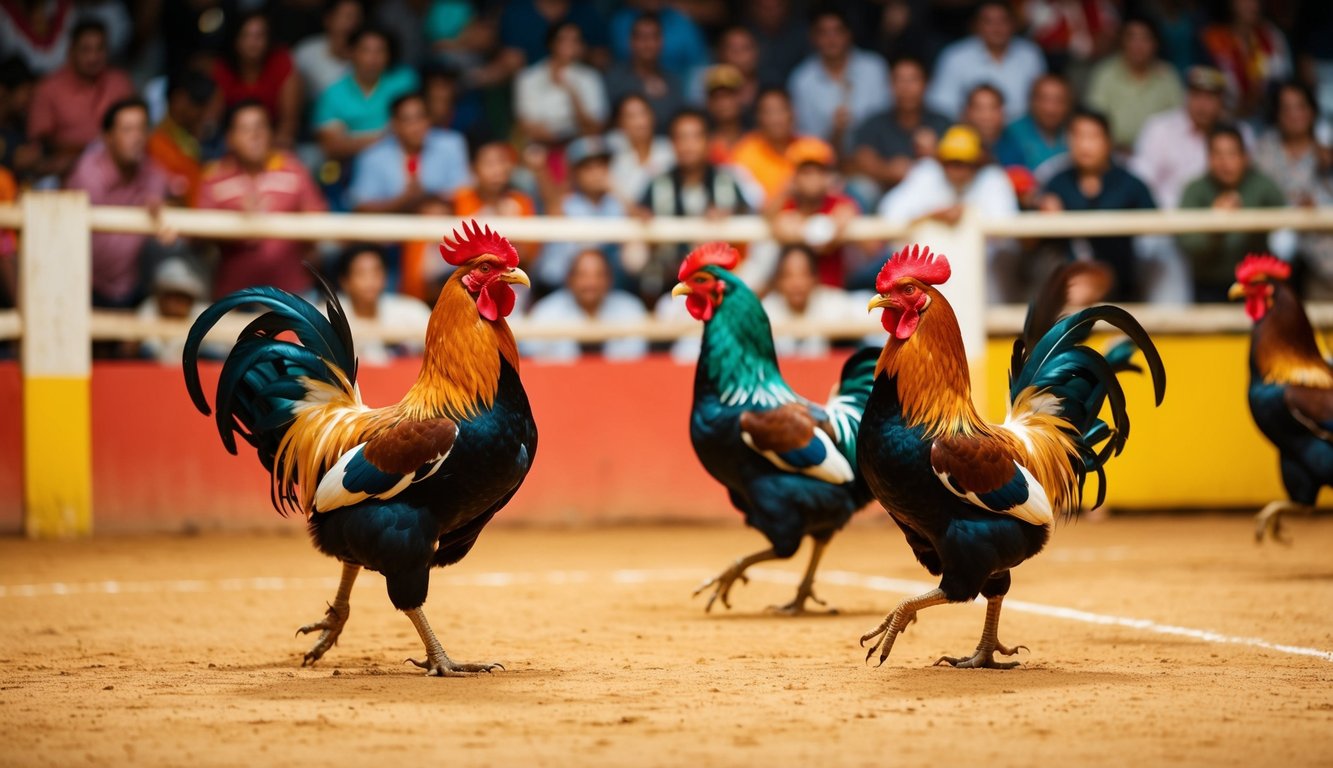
{"x":116,"y":256}
{"x":284,"y":186}
{"x":67,"y":110}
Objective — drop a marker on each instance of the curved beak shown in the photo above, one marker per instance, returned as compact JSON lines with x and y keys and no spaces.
{"x":879,"y":302}
{"x":1236,"y":292}
{"x":681,"y":289}
{"x":516,"y":275}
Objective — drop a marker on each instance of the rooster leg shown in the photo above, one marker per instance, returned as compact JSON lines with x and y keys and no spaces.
{"x":332,"y":624}
{"x":806,"y":591}
{"x":1269,"y":520}
{"x":437,"y":662}
{"x":724,"y":580}
{"x":896,"y":622}
{"x":989,"y":646}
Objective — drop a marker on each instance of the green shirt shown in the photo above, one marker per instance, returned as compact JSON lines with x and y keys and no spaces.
{"x":357,"y":111}
{"x":1215,"y":255}
{"x":1128,"y":101}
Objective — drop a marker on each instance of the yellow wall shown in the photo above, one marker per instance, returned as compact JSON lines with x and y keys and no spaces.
{"x":1200,"y":448}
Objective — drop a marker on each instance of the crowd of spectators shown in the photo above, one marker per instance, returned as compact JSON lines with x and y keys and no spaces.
{"x":806,"y":113}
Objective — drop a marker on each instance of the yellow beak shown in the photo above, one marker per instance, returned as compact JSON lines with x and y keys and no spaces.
{"x":1236,"y":292}
{"x":879,"y":302}
{"x":681,"y":289}
{"x":516,"y":275}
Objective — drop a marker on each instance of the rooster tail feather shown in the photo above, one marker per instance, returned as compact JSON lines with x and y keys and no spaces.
{"x":266,"y":381}
{"x":849,"y":398}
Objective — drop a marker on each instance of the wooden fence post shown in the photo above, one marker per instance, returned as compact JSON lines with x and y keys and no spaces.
{"x":55,"y":298}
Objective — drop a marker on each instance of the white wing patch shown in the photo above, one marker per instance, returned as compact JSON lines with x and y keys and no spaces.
{"x":332,"y":493}
{"x":1035,"y":510}
{"x":833,"y":469}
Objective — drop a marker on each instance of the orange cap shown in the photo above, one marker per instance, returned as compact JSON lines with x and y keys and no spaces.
{"x":809,"y":150}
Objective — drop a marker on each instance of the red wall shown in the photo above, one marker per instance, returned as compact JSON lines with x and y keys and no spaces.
{"x":614,"y":445}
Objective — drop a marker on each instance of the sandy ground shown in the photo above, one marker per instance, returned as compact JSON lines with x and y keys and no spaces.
{"x":187,"y":656}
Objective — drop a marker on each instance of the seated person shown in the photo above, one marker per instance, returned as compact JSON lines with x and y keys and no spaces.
{"x":413,"y":162}
{"x":589,"y":196}
{"x":796,"y":295}
{"x":492,"y":192}
{"x":361,"y":281}
{"x":178,"y":293}
{"x":352,"y":114}
{"x":812,"y":212}
{"x":887,"y":144}
{"x":588,"y":296}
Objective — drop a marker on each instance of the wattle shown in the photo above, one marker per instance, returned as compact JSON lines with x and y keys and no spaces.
{"x":902,"y":324}
{"x":699,"y":307}
{"x":495,"y":301}
{"x":1255,"y":306}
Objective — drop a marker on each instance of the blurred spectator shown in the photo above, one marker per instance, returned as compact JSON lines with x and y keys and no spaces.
{"x":588,"y":296}
{"x":1179,"y":22}
{"x":352,"y":113}
{"x":17,"y":83}
{"x":252,"y":67}
{"x":256,"y":177}
{"x":984,"y":112}
{"x":37,"y":31}
{"x":361,"y":289}
{"x":887,"y":144}
{"x":796,"y":296}
{"x":838,"y":86}
{"x":117,"y":171}
{"x":178,"y":292}
{"x":637,"y":154}
{"x":695,"y":187}
{"x":1172,"y":147}
{"x":1039,"y":135}
{"x":737,"y":50}
{"x":1072,"y":33}
{"x":643,"y":72}
{"x":491,"y":193}
{"x":560,"y":97}
{"x":783,"y":39}
{"x":811,"y":212}
{"x":726,"y":121}
{"x":763,"y":152}
{"x":942,"y":188}
{"x":526,"y":27}
{"x":67,"y":103}
{"x":1095,"y":182}
{"x":442,"y":92}
{"x":1251,"y":51}
{"x":456,"y":35}
{"x":405,"y":21}
{"x":413,"y":162}
{"x":1288,"y":152}
{"x":904,"y":30}
{"x":1230,"y":184}
{"x":680,"y":43}
{"x":992,"y":55}
{"x":324,"y":59}
{"x":589,"y":197}
{"x":1134,"y":84}
{"x":174,"y":143}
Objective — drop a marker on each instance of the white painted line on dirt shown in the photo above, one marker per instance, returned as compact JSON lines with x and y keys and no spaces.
{"x":636,"y":576}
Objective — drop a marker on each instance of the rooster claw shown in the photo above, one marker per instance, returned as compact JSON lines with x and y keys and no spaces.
{"x":448,"y":668}
{"x":984,"y":658}
{"x":329,"y":627}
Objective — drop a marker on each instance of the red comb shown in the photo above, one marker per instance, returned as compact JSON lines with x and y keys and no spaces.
{"x":719,"y":254}
{"x":919,"y":262}
{"x":1256,"y":266}
{"x":475,"y":241}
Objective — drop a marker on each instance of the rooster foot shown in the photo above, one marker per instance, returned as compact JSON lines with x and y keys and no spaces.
{"x":896,"y":623}
{"x":440,"y":665}
{"x":331,"y":626}
{"x":1268,"y":523}
{"x":797,"y":607}
{"x":723,"y":582}
{"x":984,"y":658}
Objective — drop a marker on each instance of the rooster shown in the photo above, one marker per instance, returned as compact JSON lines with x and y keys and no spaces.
{"x":1291,"y":388}
{"x":975,"y":499}
{"x":399,"y":489}
{"x":788,"y":464}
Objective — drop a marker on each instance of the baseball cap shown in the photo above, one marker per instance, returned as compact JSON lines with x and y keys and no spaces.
{"x":722,"y":76}
{"x":810,"y":150}
{"x":586,"y":148}
{"x":175,"y":276}
{"x":1206,"y":79}
{"x":959,"y":144}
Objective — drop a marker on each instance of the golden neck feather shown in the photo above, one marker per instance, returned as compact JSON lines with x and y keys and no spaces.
{"x":930,"y":367}
{"x":1285,"y":348}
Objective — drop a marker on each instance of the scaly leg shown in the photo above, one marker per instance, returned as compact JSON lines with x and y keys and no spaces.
{"x":334,"y":619}
{"x":1269,"y":520}
{"x":724,"y":580}
{"x":806,"y":591}
{"x":437,"y":662}
{"x":896,"y":622}
{"x":989,"y":646}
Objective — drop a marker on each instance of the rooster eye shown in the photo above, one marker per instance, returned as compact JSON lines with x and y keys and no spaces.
{"x":700,"y":280}
{"x":484,"y":268}
{"x":909,"y":290}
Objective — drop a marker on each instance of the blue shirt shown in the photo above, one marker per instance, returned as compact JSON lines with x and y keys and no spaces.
{"x":967,"y":63}
{"x":357,"y":111}
{"x":1023,"y":143}
{"x":380,"y":171}
{"x":553,"y":265}
{"x":524,"y":28}
{"x":864,"y":89}
{"x":683,"y":46}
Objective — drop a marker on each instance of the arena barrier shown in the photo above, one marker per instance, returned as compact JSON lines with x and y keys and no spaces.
{"x":614,"y":442}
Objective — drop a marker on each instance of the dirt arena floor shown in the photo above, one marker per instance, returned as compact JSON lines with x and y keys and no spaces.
{"x":1154,"y":641}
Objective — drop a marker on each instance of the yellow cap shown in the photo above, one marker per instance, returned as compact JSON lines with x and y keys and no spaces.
{"x":960,"y":144}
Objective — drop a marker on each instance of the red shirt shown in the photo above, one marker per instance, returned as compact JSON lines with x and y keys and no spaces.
{"x":284,"y":186}
{"x":277,"y":68}
{"x":832,"y":269}
{"x":116,"y":255}
{"x":67,"y":110}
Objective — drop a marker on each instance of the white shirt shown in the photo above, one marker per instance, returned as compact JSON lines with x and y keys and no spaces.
{"x":394,"y":311}
{"x":318,"y":66}
{"x":537,"y":98}
{"x":826,"y":305}
{"x":629,"y":177}
{"x":863,"y":89}
{"x":560,"y":307}
{"x":967,"y":63}
{"x":925,"y":189}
